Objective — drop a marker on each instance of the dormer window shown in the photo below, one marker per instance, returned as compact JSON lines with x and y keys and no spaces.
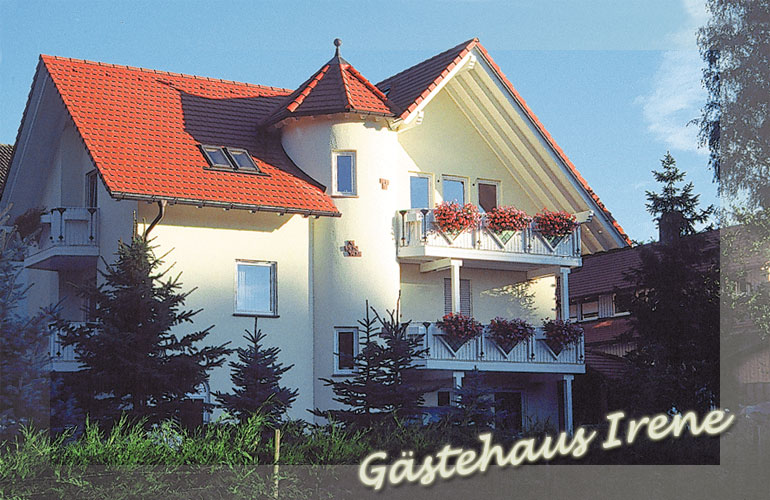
{"x":234,"y":159}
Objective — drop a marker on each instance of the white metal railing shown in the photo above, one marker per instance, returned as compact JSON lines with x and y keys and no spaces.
{"x":68,"y":226}
{"x":57,"y":351}
{"x":417,"y":228}
{"x":484,"y":349}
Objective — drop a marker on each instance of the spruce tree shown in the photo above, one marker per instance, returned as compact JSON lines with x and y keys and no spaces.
{"x":384,"y":384}
{"x":256,"y":377}
{"x":675,"y":311}
{"x":132,"y":362}
{"x":475,"y":404}
{"x":24,"y":357}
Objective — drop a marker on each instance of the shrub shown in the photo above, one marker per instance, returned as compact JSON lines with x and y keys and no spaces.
{"x":501,"y":219}
{"x":452,"y":218}
{"x":555,"y":224}
{"x":508,"y":333}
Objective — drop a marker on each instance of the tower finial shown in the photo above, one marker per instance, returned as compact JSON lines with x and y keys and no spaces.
{"x":337,"y":43}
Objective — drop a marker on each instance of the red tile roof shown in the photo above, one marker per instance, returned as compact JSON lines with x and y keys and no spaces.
{"x":410,"y":87}
{"x":335,"y":88}
{"x":142,"y":129}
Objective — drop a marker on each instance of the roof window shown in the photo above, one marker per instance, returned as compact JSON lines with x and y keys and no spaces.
{"x":225,"y":158}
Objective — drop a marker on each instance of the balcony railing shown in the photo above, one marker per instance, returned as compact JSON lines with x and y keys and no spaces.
{"x":68,"y":235}
{"x":483,"y":353}
{"x":62,"y":358}
{"x":417,"y":231}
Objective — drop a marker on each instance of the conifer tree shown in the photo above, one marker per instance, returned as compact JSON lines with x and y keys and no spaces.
{"x":675,"y":310}
{"x":24,"y":359}
{"x":132,"y":362}
{"x":256,"y":377}
{"x":475,"y":403}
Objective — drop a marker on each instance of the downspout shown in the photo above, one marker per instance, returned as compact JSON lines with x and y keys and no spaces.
{"x":161,"y":211}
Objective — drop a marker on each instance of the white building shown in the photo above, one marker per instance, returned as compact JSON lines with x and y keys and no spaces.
{"x":296,"y":206}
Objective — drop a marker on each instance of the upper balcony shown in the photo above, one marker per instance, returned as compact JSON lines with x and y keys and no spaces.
{"x":482,"y":353}
{"x":420,"y":240}
{"x":68,"y":240}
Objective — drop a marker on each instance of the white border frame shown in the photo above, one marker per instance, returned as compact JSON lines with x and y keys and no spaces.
{"x":354,"y":174}
{"x":466,"y":186}
{"x":337,"y":330}
{"x":431,"y":187}
{"x":489,"y":182}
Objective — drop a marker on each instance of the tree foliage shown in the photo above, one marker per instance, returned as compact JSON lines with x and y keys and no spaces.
{"x":132,"y":362}
{"x":735,"y":121}
{"x":384,"y":383}
{"x":256,"y":379}
{"x":675,"y":310}
{"x":24,"y":357}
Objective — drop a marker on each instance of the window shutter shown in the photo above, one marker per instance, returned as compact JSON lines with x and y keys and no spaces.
{"x":465,"y":297}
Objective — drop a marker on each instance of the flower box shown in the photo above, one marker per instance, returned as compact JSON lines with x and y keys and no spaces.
{"x":453,"y":219}
{"x":458,"y":329}
{"x":554,"y":226}
{"x":508,"y":333}
{"x":559,"y":334}
{"x":506,"y":221}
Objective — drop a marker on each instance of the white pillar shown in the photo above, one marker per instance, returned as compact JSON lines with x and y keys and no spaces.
{"x":564,"y":289}
{"x":454,"y":271}
{"x":458,"y":378}
{"x":568,"y":425}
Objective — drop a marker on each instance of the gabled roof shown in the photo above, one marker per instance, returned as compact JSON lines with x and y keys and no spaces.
{"x":6,"y":153}
{"x":335,"y":88}
{"x":409,"y":88}
{"x":143,"y":129}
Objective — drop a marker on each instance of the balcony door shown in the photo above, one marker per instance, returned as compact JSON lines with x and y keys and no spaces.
{"x":454,"y":189}
{"x":419,"y":190}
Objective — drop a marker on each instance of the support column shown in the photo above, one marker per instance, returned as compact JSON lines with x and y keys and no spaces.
{"x":458,"y":378}
{"x":454,"y":271}
{"x":564,"y":289}
{"x":568,"y":425}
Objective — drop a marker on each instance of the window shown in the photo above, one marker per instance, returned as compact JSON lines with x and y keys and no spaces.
{"x":443,"y":398}
{"x":454,"y":190}
{"x":92,"y":188}
{"x":216,"y":157}
{"x":465,"y":297}
{"x":345,"y":349}
{"x":590,"y":309}
{"x":488,"y":199}
{"x":242,"y":160}
{"x":419,"y":189}
{"x":236,"y":159}
{"x":255,"y":288}
{"x":508,"y":411}
{"x":344,"y":173}
{"x":573,"y":312}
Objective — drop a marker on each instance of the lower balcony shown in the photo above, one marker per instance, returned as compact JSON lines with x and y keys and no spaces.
{"x":483,"y":353}
{"x":68,"y":240}
{"x":62,"y":358}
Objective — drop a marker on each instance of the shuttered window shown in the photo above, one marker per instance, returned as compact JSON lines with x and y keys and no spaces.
{"x":465,"y":297}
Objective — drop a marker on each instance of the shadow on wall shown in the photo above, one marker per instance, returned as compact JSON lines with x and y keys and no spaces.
{"x":518,"y":298}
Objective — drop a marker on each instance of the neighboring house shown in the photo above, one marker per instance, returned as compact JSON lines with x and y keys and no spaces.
{"x":6,"y":152}
{"x":296,"y":206}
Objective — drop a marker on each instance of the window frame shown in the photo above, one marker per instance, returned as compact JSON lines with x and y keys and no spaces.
{"x":230,"y":152}
{"x":336,"y":354}
{"x":92,"y":181}
{"x":353,"y":174}
{"x":205,"y":148}
{"x":273,"y":313}
{"x":466,"y":184}
{"x":488,"y":182}
{"x":429,"y":177}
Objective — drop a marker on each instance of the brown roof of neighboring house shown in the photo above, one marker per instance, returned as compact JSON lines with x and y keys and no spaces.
{"x":609,"y":365}
{"x":6,"y":152}
{"x":605,"y":329}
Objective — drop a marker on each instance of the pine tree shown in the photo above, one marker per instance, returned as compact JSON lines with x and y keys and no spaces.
{"x":256,"y":376}
{"x":132,"y":362}
{"x":24,"y":359}
{"x":475,"y":403}
{"x":384,"y":384}
{"x":675,"y":310}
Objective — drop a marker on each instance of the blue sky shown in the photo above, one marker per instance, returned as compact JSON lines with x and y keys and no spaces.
{"x":614,"y":82}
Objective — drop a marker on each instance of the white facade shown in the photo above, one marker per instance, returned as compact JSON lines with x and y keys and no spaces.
{"x":471,"y":130}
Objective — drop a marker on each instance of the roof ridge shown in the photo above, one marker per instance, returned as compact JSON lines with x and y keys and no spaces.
{"x":309,"y":86}
{"x":456,"y":47}
{"x":345,"y":87}
{"x":45,"y":57}
{"x":367,"y":83}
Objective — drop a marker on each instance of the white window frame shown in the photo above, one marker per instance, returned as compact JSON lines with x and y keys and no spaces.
{"x":353,"y":174}
{"x":466,"y":185}
{"x":273,"y":312}
{"x":488,"y":182}
{"x":425,"y":175}
{"x":337,"y":331}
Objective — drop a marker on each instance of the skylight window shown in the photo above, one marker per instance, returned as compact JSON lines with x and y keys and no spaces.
{"x":233,"y":159}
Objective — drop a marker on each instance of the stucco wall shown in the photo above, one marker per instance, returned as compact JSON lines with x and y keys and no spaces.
{"x":204,"y":245}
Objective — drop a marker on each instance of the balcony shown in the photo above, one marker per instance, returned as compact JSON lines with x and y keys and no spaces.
{"x":420,"y":240}
{"x":68,"y":240}
{"x":482,"y":353}
{"x":62,"y":358}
